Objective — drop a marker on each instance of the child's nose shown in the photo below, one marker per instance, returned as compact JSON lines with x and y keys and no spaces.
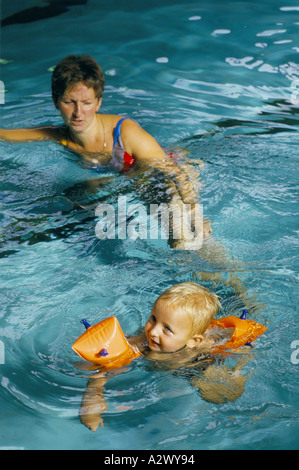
{"x":155,"y":332}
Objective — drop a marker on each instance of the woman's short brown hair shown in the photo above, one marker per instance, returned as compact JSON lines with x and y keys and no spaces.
{"x":74,"y":69}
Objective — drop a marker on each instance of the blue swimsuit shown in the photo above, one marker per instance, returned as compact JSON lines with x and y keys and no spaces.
{"x":121,"y":160}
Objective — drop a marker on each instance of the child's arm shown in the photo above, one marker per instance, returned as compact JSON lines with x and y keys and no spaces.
{"x":93,"y":402}
{"x":220,"y":384}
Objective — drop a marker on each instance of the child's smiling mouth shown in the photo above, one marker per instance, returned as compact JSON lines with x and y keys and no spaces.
{"x":153,"y":344}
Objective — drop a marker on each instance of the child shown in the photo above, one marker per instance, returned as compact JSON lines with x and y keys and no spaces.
{"x":176,"y":335}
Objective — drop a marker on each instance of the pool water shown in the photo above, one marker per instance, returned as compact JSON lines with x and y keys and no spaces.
{"x":220,"y":80}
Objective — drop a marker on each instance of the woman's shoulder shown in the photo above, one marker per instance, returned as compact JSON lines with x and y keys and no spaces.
{"x":60,"y":134}
{"x":113,"y":119}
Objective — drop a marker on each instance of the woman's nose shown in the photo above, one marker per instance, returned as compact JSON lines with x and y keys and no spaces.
{"x":77,"y":109}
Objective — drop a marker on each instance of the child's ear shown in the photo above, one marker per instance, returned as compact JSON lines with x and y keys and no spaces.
{"x":194,"y":341}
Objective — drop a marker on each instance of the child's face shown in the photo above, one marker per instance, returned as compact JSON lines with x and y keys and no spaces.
{"x":167,"y":329}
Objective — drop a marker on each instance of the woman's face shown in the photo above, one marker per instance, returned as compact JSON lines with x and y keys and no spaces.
{"x":78,"y":107}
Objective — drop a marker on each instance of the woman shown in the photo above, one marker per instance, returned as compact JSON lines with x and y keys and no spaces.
{"x":104,"y":139}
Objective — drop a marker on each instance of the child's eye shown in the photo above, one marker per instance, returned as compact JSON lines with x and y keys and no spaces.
{"x":168,"y":329}
{"x":153,"y":318}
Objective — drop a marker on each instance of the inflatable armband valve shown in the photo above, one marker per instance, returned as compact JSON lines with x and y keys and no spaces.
{"x":105,"y":344}
{"x":245,"y":331}
{"x":85,"y":323}
{"x":244,"y":314}
{"x":244,"y":317}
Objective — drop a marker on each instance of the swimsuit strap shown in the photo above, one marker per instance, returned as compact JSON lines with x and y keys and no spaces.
{"x":117,"y":131}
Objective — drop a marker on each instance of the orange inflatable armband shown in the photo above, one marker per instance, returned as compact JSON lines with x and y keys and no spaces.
{"x":245,"y":331}
{"x":105,"y":344}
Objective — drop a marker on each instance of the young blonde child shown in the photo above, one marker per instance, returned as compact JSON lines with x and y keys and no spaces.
{"x":179,"y":319}
{"x":175,"y":335}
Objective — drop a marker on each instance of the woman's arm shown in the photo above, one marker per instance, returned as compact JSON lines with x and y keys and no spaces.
{"x":183,"y":184}
{"x":31,"y":134}
{"x":142,"y":146}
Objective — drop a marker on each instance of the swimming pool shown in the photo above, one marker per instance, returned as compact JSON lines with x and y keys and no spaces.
{"x":218,"y":80}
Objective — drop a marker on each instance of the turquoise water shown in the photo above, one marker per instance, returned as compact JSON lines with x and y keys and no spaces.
{"x":218,"y":79}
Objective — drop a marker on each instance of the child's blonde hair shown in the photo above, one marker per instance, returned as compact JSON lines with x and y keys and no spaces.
{"x":199,"y":303}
